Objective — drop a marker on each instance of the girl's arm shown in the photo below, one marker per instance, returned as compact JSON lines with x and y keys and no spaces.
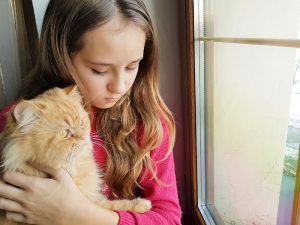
{"x":164,"y":197}
{"x":46,"y":201}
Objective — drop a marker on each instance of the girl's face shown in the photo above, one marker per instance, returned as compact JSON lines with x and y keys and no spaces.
{"x":108,"y":63}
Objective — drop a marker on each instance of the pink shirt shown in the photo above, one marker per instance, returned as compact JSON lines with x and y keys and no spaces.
{"x":165,"y":205}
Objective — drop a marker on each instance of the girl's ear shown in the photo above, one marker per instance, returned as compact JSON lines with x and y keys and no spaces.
{"x":25,"y":113}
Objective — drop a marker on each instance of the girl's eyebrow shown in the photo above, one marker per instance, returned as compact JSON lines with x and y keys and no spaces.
{"x":109,"y":64}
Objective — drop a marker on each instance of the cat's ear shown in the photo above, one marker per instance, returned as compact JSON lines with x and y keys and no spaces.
{"x":26,"y":113}
{"x":72,"y":91}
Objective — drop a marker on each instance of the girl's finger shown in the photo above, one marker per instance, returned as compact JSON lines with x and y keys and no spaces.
{"x":8,"y":205}
{"x":62,"y":175}
{"x":10,"y":192}
{"x":50,"y":171}
{"x":19,"y":180}
{"x":58,"y":175}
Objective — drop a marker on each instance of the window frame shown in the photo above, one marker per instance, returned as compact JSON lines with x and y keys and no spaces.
{"x":296,"y":201}
{"x":194,"y":215}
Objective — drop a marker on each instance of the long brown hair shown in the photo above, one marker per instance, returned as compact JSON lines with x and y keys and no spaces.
{"x":142,"y":110}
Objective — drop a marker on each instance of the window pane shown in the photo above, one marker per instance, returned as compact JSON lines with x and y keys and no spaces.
{"x":256,"y":18}
{"x":252,"y":115}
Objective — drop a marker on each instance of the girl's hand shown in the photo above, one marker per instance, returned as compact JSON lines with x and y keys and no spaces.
{"x":43,"y":201}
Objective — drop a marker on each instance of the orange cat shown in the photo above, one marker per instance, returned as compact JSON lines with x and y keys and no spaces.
{"x":53,"y":129}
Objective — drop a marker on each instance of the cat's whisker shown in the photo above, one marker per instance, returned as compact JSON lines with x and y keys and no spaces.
{"x":98,"y":134}
{"x":86,"y":102}
{"x":99,"y":145}
{"x":97,"y":142}
{"x":89,"y":100}
{"x":95,"y":133}
{"x":99,"y":139}
{"x":67,"y":166}
{"x":95,"y":138}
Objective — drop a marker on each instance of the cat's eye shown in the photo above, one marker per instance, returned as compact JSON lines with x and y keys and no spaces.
{"x":66,"y":133}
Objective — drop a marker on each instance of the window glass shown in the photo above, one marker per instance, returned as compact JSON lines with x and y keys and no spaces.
{"x":248,"y":111}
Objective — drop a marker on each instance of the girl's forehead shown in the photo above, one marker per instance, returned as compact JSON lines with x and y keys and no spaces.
{"x":112,"y":41}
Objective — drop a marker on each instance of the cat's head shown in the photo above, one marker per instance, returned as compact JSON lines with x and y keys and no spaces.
{"x":54,"y":124}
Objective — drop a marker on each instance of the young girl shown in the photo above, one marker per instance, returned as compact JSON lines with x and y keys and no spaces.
{"x":109,"y":49}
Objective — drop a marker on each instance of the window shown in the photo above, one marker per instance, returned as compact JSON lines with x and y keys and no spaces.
{"x":247,"y":106}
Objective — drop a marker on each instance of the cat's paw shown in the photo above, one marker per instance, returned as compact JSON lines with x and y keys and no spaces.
{"x":142,"y":205}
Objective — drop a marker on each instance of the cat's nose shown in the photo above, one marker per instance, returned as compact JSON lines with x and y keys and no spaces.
{"x":80,"y":136}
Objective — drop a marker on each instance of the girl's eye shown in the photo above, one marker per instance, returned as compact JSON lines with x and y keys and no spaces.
{"x":98,"y":72}
{"x":131,"y":68}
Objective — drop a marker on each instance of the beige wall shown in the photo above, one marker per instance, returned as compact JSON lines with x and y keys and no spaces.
{"x":9,"y":57}
{"x":169,"y":18}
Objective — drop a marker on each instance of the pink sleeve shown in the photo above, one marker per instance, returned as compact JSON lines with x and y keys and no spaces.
{"x":165,"y":205}
{"x":3,"y":115}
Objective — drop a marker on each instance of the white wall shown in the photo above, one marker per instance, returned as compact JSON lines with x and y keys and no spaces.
{"x":39,"y":8}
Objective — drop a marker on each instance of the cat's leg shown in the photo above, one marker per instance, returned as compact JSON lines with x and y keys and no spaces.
{"x":137,"y":205}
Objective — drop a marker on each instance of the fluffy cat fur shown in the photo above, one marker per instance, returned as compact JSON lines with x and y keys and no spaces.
{"x":53,"y":129}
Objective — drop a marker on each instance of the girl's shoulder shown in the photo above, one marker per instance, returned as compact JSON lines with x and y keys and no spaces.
{"x":3,"y":113}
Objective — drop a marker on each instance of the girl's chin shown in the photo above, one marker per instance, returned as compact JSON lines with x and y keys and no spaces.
{"x":106,"y":105}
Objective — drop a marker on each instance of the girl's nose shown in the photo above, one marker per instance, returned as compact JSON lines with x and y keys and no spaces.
{"x":117,"y":84}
